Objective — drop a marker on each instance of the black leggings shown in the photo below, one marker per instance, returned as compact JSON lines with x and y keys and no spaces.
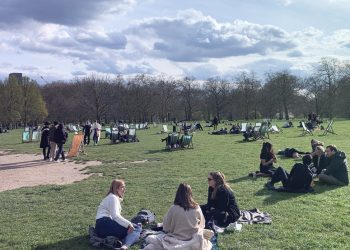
{"x":46,"y":155}
{"x":280,"y":175}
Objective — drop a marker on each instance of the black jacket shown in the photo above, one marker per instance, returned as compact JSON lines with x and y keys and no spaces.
{"x":320,"y":163}
{"x":44,"y":142}
{"x":338,"y":167}
{"x":300,"y":178}
{"x":60,"y":136}
{"x":224,"y":201}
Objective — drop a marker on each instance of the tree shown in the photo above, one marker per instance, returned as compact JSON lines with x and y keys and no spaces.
{"x":217,"y":91}
{"x":188,"y":94}
{"x":281,"y":87}
{"x":248,"y":87}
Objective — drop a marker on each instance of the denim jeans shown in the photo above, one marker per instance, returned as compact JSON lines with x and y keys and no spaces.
{"x":60,"y":151}
{"x":107,"y":227}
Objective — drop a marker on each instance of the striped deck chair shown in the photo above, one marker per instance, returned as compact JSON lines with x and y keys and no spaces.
{"x":25,"y":136}
{"x":172,"y":141}
{"x":306,"y":131}
{"x":186,"y":141}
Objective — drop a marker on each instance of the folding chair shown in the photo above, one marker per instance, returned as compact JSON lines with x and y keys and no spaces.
{"x":243,"y":127}
{"x":132,"y":134}
{"x":172,"y":140}
{"x":142,"y":126}
{"x":329,"y":128}
{"x":275,"y":129}
{"x":108,"y":132}
{"x":306,"y":131}
{"x":114,"y":136}
{"x":25,"y":136}
{"x":35,"y":135}
{"x":165,"y":129}
{"x":186,"y":141}
{"x":261,"y":133}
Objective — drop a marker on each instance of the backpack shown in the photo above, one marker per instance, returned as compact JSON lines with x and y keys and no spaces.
{"x":144,"y":217}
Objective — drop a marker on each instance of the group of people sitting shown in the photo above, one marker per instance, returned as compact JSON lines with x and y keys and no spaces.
{"x":328,"y":164}
{"x":186,"y":224}
{"x":235,"y":129}
{"x":173,"y":140}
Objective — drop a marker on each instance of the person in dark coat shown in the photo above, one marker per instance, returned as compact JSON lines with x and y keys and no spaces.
{"x":45,"y":141}
{"x":60,"y":139}
{"x":299,"y":180}
{"x":336,"y":172}
{"x":87,"y":133}
{"x":290,"y":153}
{"x":215,"y":123}
{"x":221,"y":208}
{"x":267,"y":159}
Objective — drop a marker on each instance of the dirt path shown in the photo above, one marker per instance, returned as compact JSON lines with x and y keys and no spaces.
{"x":28,"y":170}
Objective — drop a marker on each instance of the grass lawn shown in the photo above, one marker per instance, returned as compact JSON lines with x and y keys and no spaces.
{"x":57,"y":217}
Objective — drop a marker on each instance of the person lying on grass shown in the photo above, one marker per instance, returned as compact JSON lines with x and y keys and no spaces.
{"x":290,"y":153}
{"x":110,"y":222}
{"x":336,"y":172}
{"x":221,"y":208}
{"x":183,"y":225}
{"x":299,"y":180}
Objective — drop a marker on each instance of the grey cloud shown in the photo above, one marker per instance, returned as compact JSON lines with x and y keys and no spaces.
{"x":202,"y":37}
{"x":78,"y":73}
{"x":67,"y":12}
{"x":202,"y":72}
{"x":295,"y":53}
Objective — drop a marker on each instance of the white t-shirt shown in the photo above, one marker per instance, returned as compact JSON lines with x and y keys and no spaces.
{"x":110,"y":207}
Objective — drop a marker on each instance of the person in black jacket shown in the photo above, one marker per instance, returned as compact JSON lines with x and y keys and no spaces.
{"x":267,"y":159}
{"x":221,"y":208}
{"x":290,"y":153}
{"x":299,"y":179}
{"x":60,"y":139}
{"x":44,"y":141}
{"x":336,"y":172}
{"x":87,"y":133}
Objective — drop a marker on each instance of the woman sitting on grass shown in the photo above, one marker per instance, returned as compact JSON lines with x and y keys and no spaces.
{"x":109,"y":221}
{"x":183,"y":225}
{"x":267,"y":159}
{"x":222,"y":208}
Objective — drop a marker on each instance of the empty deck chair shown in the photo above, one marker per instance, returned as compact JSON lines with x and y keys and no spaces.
{"x":165,"y":129}
{"x":25,"y":136}
{"x":243,"y":127}
{"x":329,"y":128}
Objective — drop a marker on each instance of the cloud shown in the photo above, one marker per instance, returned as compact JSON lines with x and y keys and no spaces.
{"x":78,"y":73}
{"x":295,"y":53}
{"x":202,"y":72}
{"x":191,"y":36}
{"x":66,"y":12}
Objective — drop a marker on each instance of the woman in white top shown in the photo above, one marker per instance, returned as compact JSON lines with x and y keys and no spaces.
{"x":183,"y":225}
{"x":110,"y":222}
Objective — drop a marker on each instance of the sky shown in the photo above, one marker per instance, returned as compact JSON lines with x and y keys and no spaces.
{"x":49,"y":40}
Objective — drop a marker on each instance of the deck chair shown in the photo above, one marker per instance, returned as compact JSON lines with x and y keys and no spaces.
{"x":186,"y":141}
{"x":262,"y":133}
{"x":35,"y":135}
{"x":114,"y":136}
{"x":108,"y":132}
{"x":25,"y":136}
{"x":142,"y":126}
{"x":243,"y":127}
{"x":275,"y":129}
{"x":329,"y":128}
{"x":306,"y":131}
{"x":165,"y":129}
{"x":172,"y":140}
{"x":132,"y":134}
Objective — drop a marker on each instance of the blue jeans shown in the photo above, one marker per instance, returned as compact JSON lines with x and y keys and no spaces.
{"x":60,"y":151}
{"x":107,"y":227}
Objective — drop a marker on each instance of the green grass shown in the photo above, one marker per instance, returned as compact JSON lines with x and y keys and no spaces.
{"x":57,"y":217}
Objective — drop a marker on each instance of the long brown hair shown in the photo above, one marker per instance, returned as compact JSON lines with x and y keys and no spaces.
{"x":115,"y":185}
{"x":220,"y":181}
{"x":183,"y":197}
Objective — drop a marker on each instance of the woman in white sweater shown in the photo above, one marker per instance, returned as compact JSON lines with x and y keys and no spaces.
{"x":183,"y":225}
{"x":110,"y":222}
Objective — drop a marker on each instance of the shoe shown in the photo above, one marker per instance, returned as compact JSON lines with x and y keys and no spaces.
{"x":50,"y":159}
{"x":65,"y":160}
{"x":269,"y":186}
{"x":57,"y":161}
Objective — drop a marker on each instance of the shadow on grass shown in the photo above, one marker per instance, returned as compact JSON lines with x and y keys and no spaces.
{"x":273,"y":197}
{"x":243,"y":178}
{"x":80,"y":242}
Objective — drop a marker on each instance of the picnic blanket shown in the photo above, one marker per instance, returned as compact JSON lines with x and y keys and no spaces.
{"x":254,"y":216}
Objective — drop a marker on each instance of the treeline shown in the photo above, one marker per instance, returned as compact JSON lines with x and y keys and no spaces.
{"x":162,"y":98}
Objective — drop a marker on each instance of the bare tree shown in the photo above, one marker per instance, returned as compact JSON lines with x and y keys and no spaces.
{"x":217,"y":91}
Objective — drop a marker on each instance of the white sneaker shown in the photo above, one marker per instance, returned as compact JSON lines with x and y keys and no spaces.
{"x":57,"y":161}
{"x":65,"y":160}
{"x":50,"y":159}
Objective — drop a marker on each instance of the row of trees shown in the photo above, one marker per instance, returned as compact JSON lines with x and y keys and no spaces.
{"x":162,"y":98}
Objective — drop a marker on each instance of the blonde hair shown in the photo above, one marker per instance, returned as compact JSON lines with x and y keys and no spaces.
{"x":220,"y":181}
{"x":115,"y":185}
{"x":320,"y":148}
